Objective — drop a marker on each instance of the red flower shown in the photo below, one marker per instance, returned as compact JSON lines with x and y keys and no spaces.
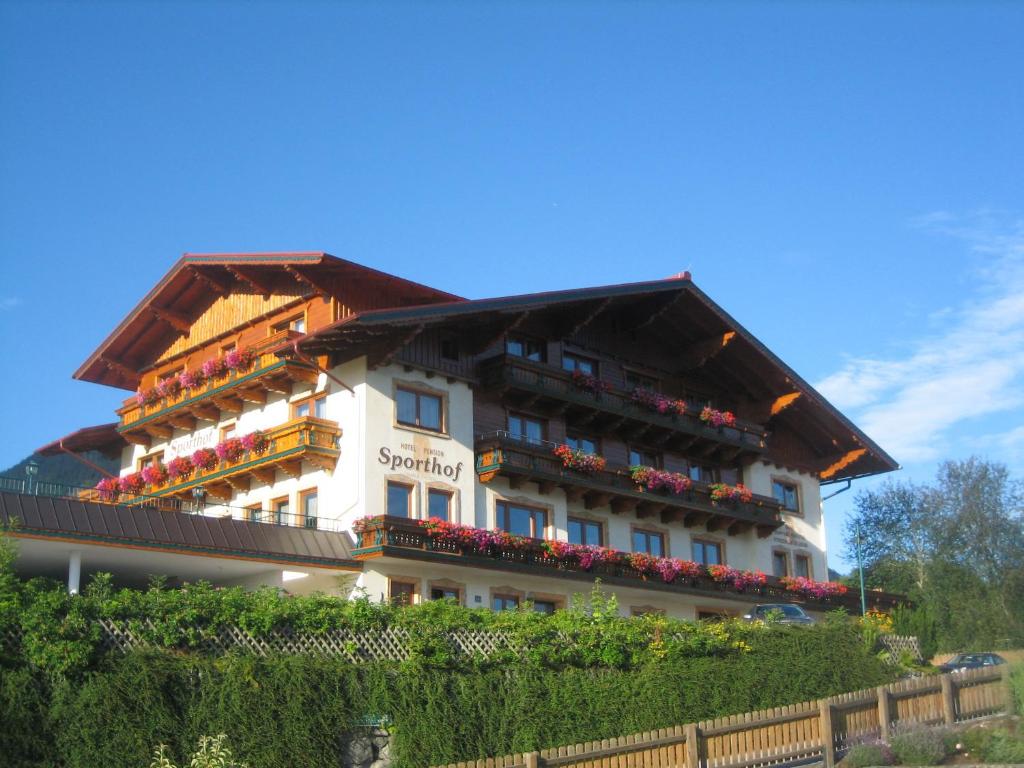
{"x":231,"y":450}
{"x":204,"y":458}
{"x":132,"y":484}
{"x":180,"y":468}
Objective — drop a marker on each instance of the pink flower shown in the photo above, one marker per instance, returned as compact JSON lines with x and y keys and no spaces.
{"x":180,"y":468}
{"x":652,"y":479}
{"x":205,"y":459}
{"x":148,"y":396}
{"x":191,"y":379}
{"x":581,"y":461}
{"x":213,"y":368}
{"x":109,"y":488}
{"x":239,"y":359}
{"x":656,"y":401}
{"x":717,"y":418}
{"x":738,"y":492}
{"x":154,"y":474}
{"x":231,"y":450}
{"x":255,"y":442}
{"x":169,"y":387}
{"x":132,"y":484}
{"x":589,"y":382}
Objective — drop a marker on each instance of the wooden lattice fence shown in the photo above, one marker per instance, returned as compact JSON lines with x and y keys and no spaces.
{"x":896,"y":645}
{"x":813,"y":731}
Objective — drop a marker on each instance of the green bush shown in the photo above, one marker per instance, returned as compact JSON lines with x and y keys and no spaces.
{"x":864,"y":755}
{"x":1004,"y":747}
{"x":920,"y":746}
{"x":1017,"y":688}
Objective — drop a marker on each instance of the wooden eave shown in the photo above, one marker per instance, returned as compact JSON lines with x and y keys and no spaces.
{"x":196,"y":280}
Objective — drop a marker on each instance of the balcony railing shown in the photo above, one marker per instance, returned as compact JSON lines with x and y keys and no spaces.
{"x":501,"y":453}
{"x":187,"y":505}
{"x":402,"y":537}
{"x":269,"y":373}
{"x":305,"y":439}
{"x":541,"y":384}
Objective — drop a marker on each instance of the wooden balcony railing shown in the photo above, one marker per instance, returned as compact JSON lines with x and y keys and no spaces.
{"x":614,"y":410}
{"x":520,"y":460}
{"x":306,"y":439}
{"x":269,"y":373}
{"x":402,"y":537}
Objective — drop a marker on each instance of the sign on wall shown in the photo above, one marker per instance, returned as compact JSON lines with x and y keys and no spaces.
{"x":430,"y":461}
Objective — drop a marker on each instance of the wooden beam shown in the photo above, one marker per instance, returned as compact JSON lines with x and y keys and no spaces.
{"x":176,"y":320}
{"x":646,"y":313}
{"x":764,"y":531}
{"x":693,"y":519}
{"x":584,"y":320}
{"x":282,"y":385}
{"x":596,"y":499}
{"x":137,"y":438}
{"x":380,"y":360}
{"x":214,"y":282}
{"x":739,"y":527}
{"x":622,"y":504}
{"x":253,"y":396}
{"x":649,"y":509}
{"x":716,"y":523}
{"x":783,"y":402}
{"x":159,"y":431}
{"x":239,"y":482}
{"x":266,"y":475}
{"x":572,"y":492}
{"x":124,"y":370}
{"x":846,"y":460}
{"x":292,"y":467}
{"x":315,"y":284}
{"x":672,"y":516}
{"x":697,"y":355}
{"x":247,"y":276}
{"x":205,"y":412}
{"x":515,"y":482}
{"x":545,"y":487}
{"x":219,"y":489}
{"x":183,"y":421}
{"x":228,"y":404}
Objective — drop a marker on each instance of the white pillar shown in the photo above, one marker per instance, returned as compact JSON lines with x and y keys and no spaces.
{"x":74,"y":572}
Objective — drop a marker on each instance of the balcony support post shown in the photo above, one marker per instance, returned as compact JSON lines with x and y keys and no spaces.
{"x":74,"y":571}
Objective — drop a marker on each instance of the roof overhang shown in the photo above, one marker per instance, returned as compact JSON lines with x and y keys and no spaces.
{"x":196,"y":280}
{"x":103,"y":438}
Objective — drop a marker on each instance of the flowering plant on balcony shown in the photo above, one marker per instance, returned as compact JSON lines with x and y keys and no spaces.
{"x":213,"y":368}
{"x":205,"y":459}
{"x":230,"y":450}
{"x":589,"y":382}
{"x":642,"y":562}
{"x":180,"y":468}
{"x":739,"y":580}
{"x":255,"y":442}
{"x":191,"y":379}
{"x":723,"y":492}
{"x":109,"y":488}
{"x":652,"y":479}
{"x":671,"y":568}
{"x":169,"y":387}
{"x":148,"y":396}
{"x":716,"y":418}
{"x":818,"y":590}
{"x":240,"y":359}
{"x":154,"y":474}
{"x":466,"y":536}
{"x":363,"y":523}
{"x":578,"y":460}
{"x":132,"y":484}
{"x":657,"y":402}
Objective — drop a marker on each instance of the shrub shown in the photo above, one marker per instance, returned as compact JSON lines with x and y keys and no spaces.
{"x":212,"y":753}
{"x":919,"y":747}
{"x":1017,"y":688}
{"x":1004,"y":747}
{"x":863,"y":755}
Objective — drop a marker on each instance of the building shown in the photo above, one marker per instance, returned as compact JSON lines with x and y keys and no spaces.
{"x":294,"y":418}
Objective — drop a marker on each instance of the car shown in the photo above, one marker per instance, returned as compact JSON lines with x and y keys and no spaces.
{"x":963,"y":661}
{"x":784,"y":613}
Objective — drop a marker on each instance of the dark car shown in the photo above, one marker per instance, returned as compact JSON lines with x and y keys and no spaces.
{"x":964,"y":661}
{"x":784,"y":613}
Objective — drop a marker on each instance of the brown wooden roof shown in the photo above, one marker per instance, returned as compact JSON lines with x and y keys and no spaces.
{"x":103,"y":437}
{"x":808,"y":432}
{"x":196,"y":280}
{"x":116,"y":525}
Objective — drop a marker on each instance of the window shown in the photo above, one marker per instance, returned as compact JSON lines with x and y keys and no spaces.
{"x":707,"y":552}
{"x":703,"y":473}
{"x":638,"y":457}
{"x":802,"y":565}
{"x":227,"y":432}
{"x":446,"y":593}
{"x":585,"y":444}
{"x":308,"y":508}
{"x":786,"y":495}
{"x":419,"y":409}
{"x":578,"y":363}
{"x":648,"y":541}
{"x":522,"y":521}
{"x":254,"y":513}
{"x":439,"y":503}
{"x":504,"y":602}
{"x":402,"y":592}
{"x":315,"y":406}
{"x":526,"y":428}
{"x":585,"y":532}
{"x":152,"y":460}
{"x":529,"y":349}
{"x":296,"y":323}
{"x":780,"y":564}
{"x":282,"y":511}
{"x":544,"y":606}
{"x":399,"y":500}
{"x":638,"y":380}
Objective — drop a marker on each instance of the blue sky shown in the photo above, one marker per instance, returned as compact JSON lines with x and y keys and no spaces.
{"x":844,"y":178}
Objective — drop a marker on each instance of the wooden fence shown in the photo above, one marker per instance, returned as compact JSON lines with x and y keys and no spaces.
{"x":814,"y":731}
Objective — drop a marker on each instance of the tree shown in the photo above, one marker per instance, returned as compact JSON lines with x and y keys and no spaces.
{"x":956,"y":548}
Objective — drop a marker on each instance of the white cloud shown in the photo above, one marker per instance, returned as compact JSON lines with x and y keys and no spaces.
{"x":972,"y":366}
{"x":10,"y":302}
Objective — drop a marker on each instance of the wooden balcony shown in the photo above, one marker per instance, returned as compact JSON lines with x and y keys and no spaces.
{"x":404,"y":538}
{"x":549,"y":389}
{"x":301,"y":440}
{"x":141,"y":424}
{"x":521,"y":461}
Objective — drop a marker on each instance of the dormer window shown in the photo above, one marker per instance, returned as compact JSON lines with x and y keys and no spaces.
{"x":528,"y":349}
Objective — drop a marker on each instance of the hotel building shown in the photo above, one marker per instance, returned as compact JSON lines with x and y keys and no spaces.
{"x":292,"y":420}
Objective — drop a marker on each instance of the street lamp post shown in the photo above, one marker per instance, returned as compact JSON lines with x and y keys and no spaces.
{"x":860,"y":573}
